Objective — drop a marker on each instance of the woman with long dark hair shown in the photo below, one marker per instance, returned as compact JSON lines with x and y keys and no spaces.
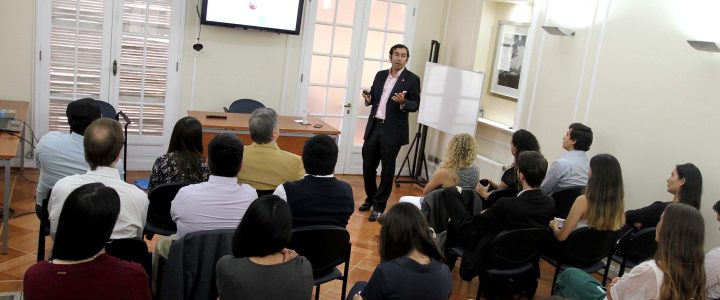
{"x":684,"y":183}
{"x":522,"y":140}
{"x":184,"y":160}
{"x":601,"y":207}
{"x":78,"y":263}
{"x":411,"y":266}
{"x":260,"y":266}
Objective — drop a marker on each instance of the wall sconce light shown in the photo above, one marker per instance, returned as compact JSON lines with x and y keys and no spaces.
{"x":705,"y":46}
{"x":554,"y":30}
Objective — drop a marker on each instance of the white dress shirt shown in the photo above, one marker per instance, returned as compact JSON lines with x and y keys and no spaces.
{"x":219,"y":203}
{"x":133,"y":201}
{"x":712,"y":271}
{"x":387,"y":89}
{"x":280,"y":190}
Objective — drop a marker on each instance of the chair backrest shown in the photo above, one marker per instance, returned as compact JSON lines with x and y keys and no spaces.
{"x":161,"y":198}
{"x":640,"y":245}
{"x":106,"y":109}
{"x":512,"y":248}
{"x":134,"y":250}
{"x":497,"y":194}
{"x":585,"y":246}
{"x":245,"y":106}
{"x":324,"y":246}
{"x":190,"y":269}
{"x":564,"y":200}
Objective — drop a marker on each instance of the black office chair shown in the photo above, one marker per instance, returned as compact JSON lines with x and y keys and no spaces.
{"x":564,"y":200}
{"x":631,"y":249}
{"x":514,"y":255}
{"x":134,"y":250}
{"x":584,"y":249}
{"x":496,"y":195}
{"x":325,"y":247}
{"x":108,"y":111}
{"x":44,"y":227}
{"x":244,"y":106}
{"x":158,"y":216}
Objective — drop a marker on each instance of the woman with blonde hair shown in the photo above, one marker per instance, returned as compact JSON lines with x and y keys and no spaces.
{"x":601,"y":207}
{"x":456,"y":169}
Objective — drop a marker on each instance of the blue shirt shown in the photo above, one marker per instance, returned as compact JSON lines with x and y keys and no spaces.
{"x":570,"y":170}
{"x":60,"y":154}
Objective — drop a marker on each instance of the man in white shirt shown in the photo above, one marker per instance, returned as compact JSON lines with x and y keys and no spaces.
{"x":712,"y":265}
{"x":61,"y":154}
{"x":102,"y":142}
{"x":572,"y":168}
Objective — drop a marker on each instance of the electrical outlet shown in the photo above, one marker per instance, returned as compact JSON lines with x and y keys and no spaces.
{"x":434,"y":159}
{"x":29,"y":155}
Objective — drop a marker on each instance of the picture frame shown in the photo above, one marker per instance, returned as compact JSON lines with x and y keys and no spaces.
{"x":508,"y":58}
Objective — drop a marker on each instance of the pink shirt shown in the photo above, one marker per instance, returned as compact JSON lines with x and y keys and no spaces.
{"x":387,"y":89}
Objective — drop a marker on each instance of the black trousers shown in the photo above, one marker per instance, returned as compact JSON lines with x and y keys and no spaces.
{"x":374,"y":151}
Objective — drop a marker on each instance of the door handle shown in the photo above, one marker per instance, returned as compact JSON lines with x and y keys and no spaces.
{"x":114,"y":67}
{"x":347,"y":107}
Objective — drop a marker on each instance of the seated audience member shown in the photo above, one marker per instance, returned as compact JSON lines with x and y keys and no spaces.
{"x":103,"y":141}
{"x":265,"y":165}
{"x":61,"y":154}
{"x":529,"y":209}
{"x":676,"y":272}
{"x":712,"y":264}
{"x":522,"y":140}
{"x":260,"y":266}
{"x":319,"y":198}
{"x":184,"y":160}
{"x":572,"y":168}
{"x":456,"y":169}
{"x":411,"y":266}
{"x":78,"y":266}
{"x":219,"y":203}
{"x":685,"y":184}
{"x":601,"y":207}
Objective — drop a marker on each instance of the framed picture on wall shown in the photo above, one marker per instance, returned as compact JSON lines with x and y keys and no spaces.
{"x":508,"y":59}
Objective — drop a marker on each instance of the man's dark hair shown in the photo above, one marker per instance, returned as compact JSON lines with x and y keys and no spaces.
{"x":103,"y":141}
{"x":716,"y":207}
{"x":91,"y":209}
{"x":533,"y":166}
{"x":399,"y":46}
{"x":582,"y":135}
{"x":262,"y":123}
{"x":266,"y":228}
{"x":80,"y":113}
{"x":320,"y":155}
{"x":225,"y":154}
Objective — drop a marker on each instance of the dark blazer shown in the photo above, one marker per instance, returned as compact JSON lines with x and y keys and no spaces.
{"x":530,"y":209}
{"x":396,"y":119}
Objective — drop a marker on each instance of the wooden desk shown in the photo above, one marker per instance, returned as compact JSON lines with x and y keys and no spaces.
{"x":292,"y":135}
{"x":8,"y":151}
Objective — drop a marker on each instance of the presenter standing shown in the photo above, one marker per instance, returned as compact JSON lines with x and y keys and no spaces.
{"x":394,"y":93}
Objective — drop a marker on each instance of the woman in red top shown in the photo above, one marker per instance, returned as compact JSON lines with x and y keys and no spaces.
{"x":79,"y":267}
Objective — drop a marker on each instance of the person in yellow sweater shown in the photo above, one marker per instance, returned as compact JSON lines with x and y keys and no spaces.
{"x":265,"y":165}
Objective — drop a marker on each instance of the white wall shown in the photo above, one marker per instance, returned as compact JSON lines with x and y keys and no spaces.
{"x":16,"y":62}
{"x":650,"y":98}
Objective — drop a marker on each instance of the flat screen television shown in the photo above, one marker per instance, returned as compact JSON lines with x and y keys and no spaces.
{"x":281,"y":16}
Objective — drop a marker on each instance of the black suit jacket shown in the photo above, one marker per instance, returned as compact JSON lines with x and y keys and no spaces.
{"x":530,"y":209}
{"x":396,"y":119}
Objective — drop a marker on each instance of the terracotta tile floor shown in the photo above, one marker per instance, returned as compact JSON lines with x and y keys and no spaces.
{"x":364,"y":257}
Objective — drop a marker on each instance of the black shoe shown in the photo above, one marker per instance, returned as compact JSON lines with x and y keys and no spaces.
{"x":375,"y":216}
{"x":365,"y":206}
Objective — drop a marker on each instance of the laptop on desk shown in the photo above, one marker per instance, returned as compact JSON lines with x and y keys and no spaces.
{"x":10,"y":125}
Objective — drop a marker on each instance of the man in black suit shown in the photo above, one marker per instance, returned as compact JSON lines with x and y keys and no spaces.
{"x":394,"y":93}
{"x":529,"y":209}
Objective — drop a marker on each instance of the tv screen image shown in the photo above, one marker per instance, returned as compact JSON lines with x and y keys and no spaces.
{"x":282,"y":16}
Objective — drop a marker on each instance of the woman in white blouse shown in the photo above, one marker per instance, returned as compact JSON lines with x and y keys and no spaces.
{"x":677,"y":272}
